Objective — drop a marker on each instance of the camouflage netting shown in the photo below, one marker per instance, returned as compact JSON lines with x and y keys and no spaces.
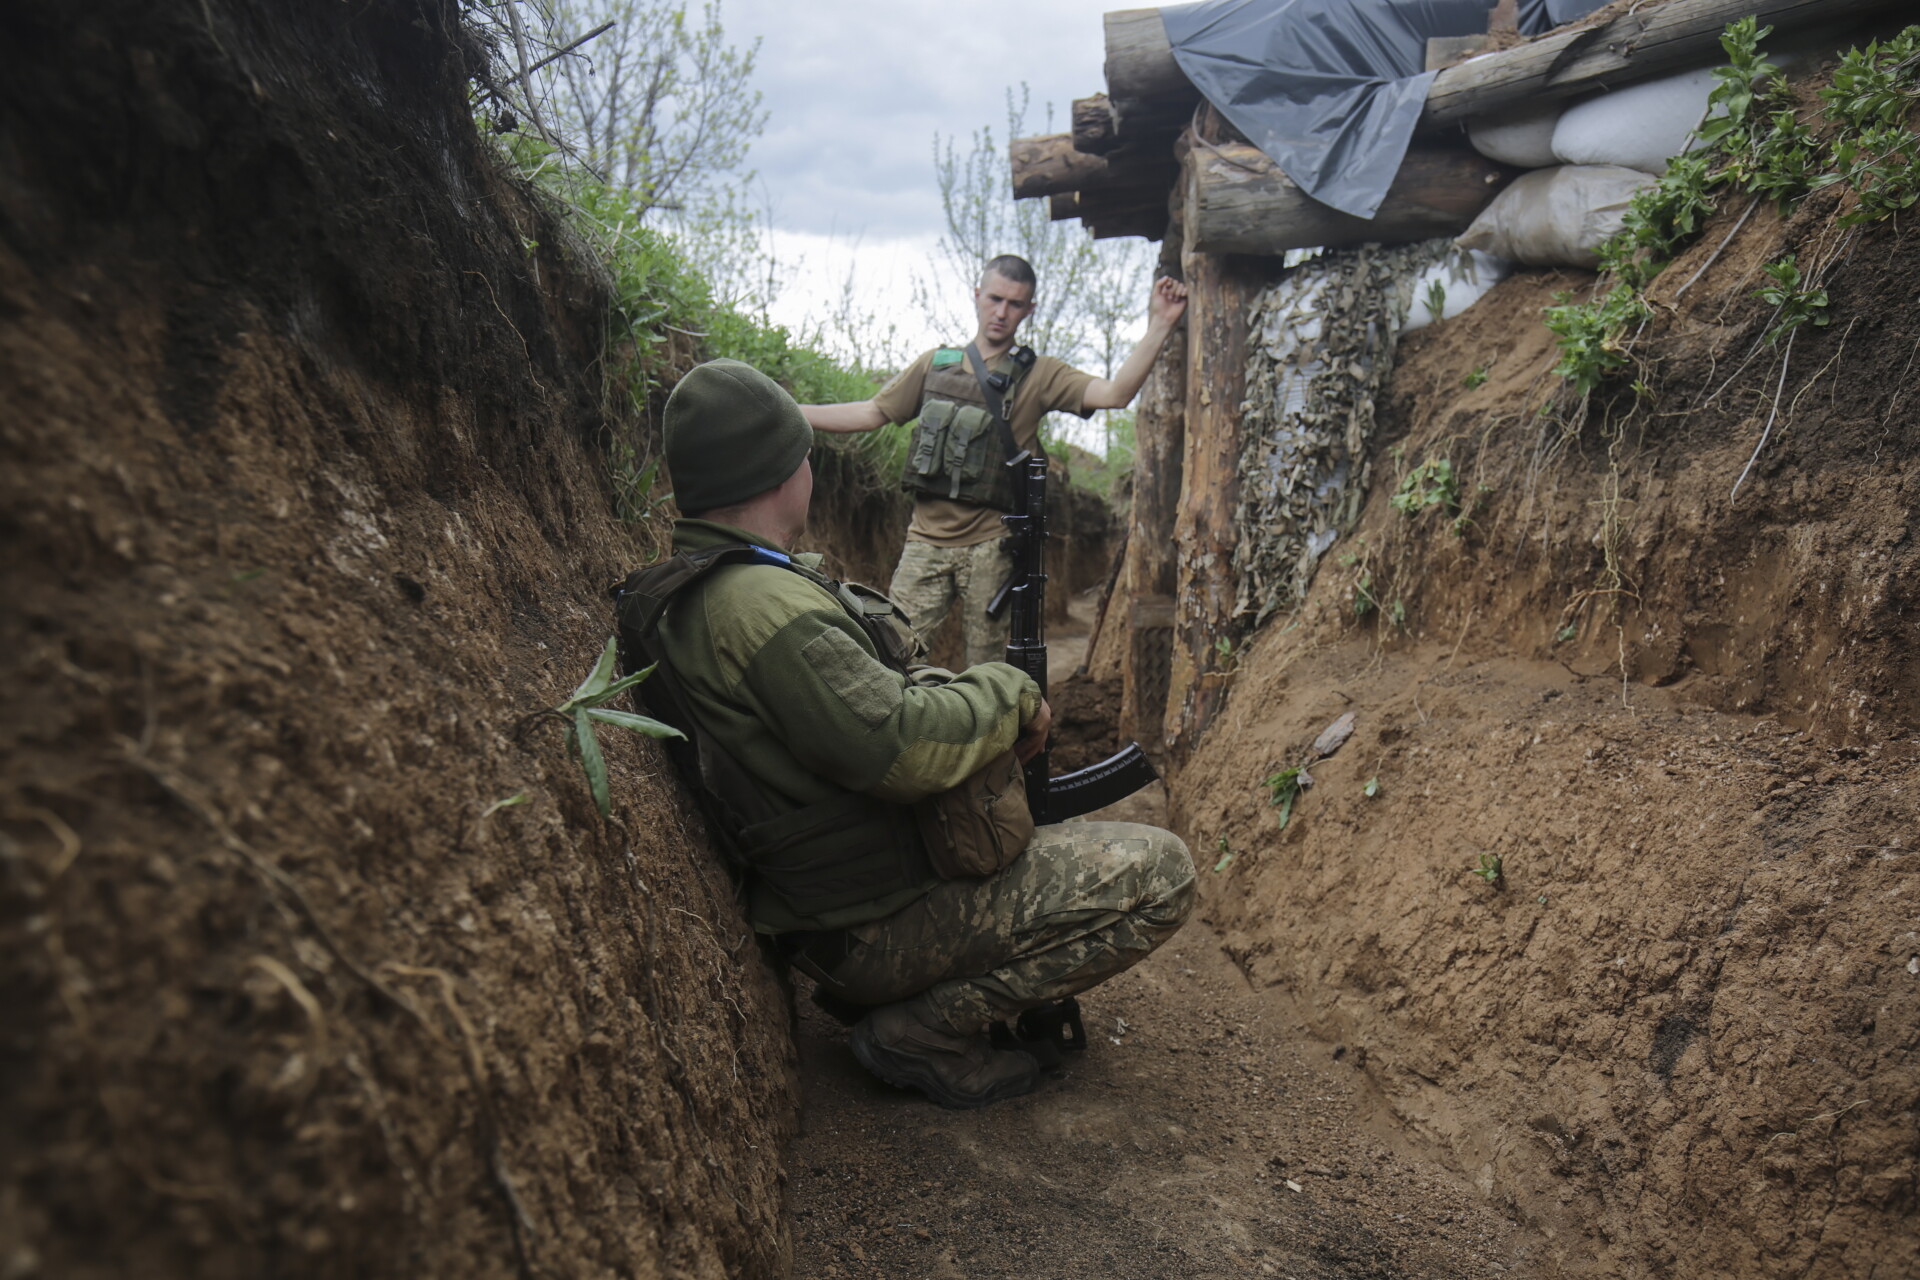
{"x":1320,"y":346}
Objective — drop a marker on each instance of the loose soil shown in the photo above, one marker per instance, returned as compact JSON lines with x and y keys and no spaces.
{"x":319,"y":960}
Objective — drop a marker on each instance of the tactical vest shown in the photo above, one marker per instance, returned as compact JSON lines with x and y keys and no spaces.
{"x":819,"y":859}
{"x":958,"y":450}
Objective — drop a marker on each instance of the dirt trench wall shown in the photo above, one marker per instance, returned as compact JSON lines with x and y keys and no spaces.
{"x":319,"y":959}
{"x":1679,"y":1027}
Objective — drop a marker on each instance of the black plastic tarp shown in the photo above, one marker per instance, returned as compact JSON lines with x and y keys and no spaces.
{"x":1330,"y":90}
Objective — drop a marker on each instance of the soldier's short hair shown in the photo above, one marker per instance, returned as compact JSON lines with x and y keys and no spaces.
{"x":1011,"y":268}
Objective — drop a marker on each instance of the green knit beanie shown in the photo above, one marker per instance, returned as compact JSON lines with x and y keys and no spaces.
{"x":732,"y":432}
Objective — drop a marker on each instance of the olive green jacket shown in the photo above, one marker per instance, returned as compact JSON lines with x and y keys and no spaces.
{"x":787,"y":683}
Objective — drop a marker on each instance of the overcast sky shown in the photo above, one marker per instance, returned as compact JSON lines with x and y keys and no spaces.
{"x":855,"y":91}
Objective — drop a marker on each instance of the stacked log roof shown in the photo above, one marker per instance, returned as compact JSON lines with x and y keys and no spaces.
{"x":1147,"y":154}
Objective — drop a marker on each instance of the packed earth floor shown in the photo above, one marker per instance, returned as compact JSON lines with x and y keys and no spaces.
{"x":1203,"y":1133}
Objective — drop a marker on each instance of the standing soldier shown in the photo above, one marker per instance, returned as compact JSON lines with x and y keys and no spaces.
{"x":977,"y":407}
{"x":875,"y":810}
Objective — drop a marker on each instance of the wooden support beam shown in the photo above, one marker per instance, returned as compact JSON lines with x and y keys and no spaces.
{"x":1631,"y":46}
{"x":1049,"y":165}
{"x":1140,"y":61}
{"x":1147,"y":579}
{"x":1063,"y":206}
{"x":1220,"y":292}
{"x":1102,"y":126}
{"x":1238,"y":201}
{"x":1093,"y":128}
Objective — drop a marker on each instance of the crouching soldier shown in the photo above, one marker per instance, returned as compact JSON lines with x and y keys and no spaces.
{"x":875,"y":809}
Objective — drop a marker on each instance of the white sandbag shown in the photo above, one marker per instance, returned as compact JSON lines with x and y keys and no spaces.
{"x":1556,"y":217}
{"x":1639,"y":127}
{"x":1522,"y":138}
{"x":1464,"y":278}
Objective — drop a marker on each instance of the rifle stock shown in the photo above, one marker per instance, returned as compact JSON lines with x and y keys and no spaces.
{"x":1053,"y":799}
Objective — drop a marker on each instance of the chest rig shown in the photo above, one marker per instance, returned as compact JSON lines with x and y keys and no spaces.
{"x":964,"y":436}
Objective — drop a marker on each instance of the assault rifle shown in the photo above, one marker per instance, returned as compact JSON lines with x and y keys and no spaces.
{"x":1098,"y":785}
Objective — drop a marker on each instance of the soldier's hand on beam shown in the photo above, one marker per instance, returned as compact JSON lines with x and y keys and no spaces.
{"x":1169,"y":300}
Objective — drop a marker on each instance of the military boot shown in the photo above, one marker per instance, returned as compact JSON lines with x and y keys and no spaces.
{"x":910,"y":1046}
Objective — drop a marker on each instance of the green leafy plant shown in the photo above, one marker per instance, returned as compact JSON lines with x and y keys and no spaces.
{"x":1436,"y":300}
{"x":1731,"y":114}
{"x":1882,"y":165}
{"x":1370,"y":788}
{"x":1872,"y":94}
{"x":587,"y":708}
{"x":1753,"y":140}
{"x":1797,"y":305}
{"x":1478,"y":378}
{"x":1226,"y":855}
{"x":1593,"y":335}
{"x":1876,"y":85}
{"x":1489,"y":869}
{"x":1431,"y":484}
{"x":1284,"y":788}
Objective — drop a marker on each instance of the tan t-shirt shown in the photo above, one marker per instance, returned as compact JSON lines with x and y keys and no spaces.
{"x":1051,"y":386}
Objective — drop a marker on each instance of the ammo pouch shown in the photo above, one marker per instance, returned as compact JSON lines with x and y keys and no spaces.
{"x":954,"y":453}
{"x":962,"y":441}
{"x":980,"y":826}
{"x":885,"y":625}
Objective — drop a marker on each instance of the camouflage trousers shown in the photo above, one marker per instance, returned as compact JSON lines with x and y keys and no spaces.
{"x":929,"y":579}
{"x":1085,"y":901}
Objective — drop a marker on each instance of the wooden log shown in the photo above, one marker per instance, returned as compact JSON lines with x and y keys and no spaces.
{"x":1103,"y":127}
{"x":1631,"y":46}
{"x":1140,"y":61}
{"x":1238,"y":201}
{"x":1093,"y":125}
{"x":1219,"y":292}
{"x":1063,"y":206}
{"x":1147,"y":579}
{"x":1132,"y":128}
{"x":1049,"y":165}
{"x":1651,"y":41}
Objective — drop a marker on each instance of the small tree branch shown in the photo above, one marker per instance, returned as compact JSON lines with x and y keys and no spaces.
{"x":557,"y":54}
{"x":520,"y":48}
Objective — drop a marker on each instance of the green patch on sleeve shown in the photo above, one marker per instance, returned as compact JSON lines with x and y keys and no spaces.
{"x":869,"y":690}
{"x":946,"y":356}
